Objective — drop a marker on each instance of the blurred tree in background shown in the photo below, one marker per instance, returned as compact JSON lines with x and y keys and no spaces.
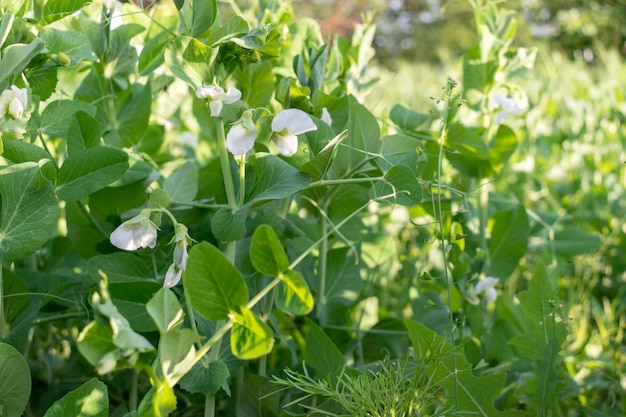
{"x":433,"y":31}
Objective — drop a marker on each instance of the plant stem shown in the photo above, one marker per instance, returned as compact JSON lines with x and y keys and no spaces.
{"x":242,"y":180}
{"x":2,"y":322}
{"x":448,"y":279}
{"x":322,"y":270}
{"x":92,"y":220}
{"x":132,"y":397}
{"x":483,"y":206}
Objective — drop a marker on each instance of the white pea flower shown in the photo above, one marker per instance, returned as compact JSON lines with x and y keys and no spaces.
{"x":287,"y":125}
{"x":486,"y":288}
{"x":506,"y":106}
{"x":217,"y":97}
{"x":13,"y":101}
{"x":181,"y":242}
{"x":240,"y":139}
{"x":138,"y":232}
{"x":326,"y":117}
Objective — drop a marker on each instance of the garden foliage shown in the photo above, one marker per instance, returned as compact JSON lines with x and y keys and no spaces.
{"x":200,"y":213}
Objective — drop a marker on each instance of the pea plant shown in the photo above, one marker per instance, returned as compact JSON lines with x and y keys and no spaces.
{"x":201,"y":215}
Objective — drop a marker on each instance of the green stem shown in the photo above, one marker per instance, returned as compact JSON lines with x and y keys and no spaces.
{"x":242,"y":180}
{"x":43,"y":143}
{"x":92,"y":220}
{"x":132,"y":397}
{"x":198,"y":205}
{"x":322,"y":269}
{"x":2,"y":322}
{"x":483,"y":206}
{"x":323,"y":182}
{"x":439,"y":211}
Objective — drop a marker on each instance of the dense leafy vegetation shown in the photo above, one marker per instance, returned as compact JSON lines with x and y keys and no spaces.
{"x":209,"y":209}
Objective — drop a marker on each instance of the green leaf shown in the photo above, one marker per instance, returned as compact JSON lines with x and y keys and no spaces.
{"x":407,"y":119}
{"x":399,"y":150}
{"x":95,"y":342}
{"x":191,"y":61}
{"x":250,"y":336}
{"x":472,"y":394}
{"x":319,"y":165}
{"x":539,"y":303}
{"x":509,"y":239}
{"x":343,"y":278}
{"x":259,"y":397}
{"x":130,"y":299}
{"x":15,"y":383}
{"x":84,"y":132}
{"x":132,"y":119}
{"x":229,"y":224}
{"x":118,"y":267}
{"x":266,"y":252}
{"x":71,"y":43}
{"x":293,"y":294}
{"x":90,"y":399}
{"x":574,"y":240}
{"x":402,"y":183}
{"x":159,"y":199}
{"x":502,"y":147}
{"x":321,"y":353}
{"x":18,"y":151}
{"x":87,"y":171}
{"x":213,"y":286}
{"x":160,"y":401}
{"x":29,"y":213}
{"x":206,"y":377}
{"x":182,"y":184}
{"x":43,"y":80}
{"x":256,"y":82}
{"x":177,"y":353}
{"x":17,"y":56}
{"x":544,"y":390}
{"x":159,"y":34}
{"x":234,"y":26}
{"x":478,"y":74}
{"x":204,"y":12}
{"x":363,"y":136}
{"x":57,"y":116}
{"x":55,"y":10}
{"x":165,"y":310}
{"x":275,"y":179}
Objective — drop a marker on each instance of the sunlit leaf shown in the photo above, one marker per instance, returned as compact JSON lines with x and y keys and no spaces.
{"x":90,"y":399}
{"x":250,"y":336}
{"x":266,"y":252}
{"x":213,"y":286}
{"x":293,"y":294}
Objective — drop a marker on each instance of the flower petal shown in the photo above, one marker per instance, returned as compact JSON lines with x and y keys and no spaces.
{"x":16,"y":108}
{"x":287,"y":144}
{"x":240,"y":140}
{"x":138,"y":232}
{"x":210,"y":91}
{"x":293,"y":121}
{"x":216,"y":107}
{"x":122,"y":238}
{"x":172,"y":276}
{"x":326,"y":117}
{"x":231,"y":95}
{"x":486,"y":284}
